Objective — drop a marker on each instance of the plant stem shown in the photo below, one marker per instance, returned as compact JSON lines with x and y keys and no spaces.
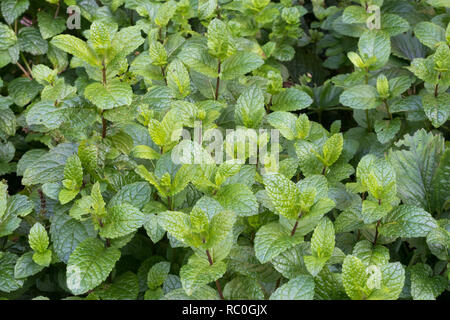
{"x":163,"y":71}
{"x":219,"y":288}
{"x":26,"y":63}
{"x":104,"y":126}
{"x":387,"y":108}
{"x":369,"y":126}
{"x":296,"y":225}
{"x":376,"y":233}
{"x":218,"y":80}
{"x":104,"y":123}
{"x":57,"y":9}
{"x":169,"y":202}
{"x":25,"y":72}
{"x":436,"y":87}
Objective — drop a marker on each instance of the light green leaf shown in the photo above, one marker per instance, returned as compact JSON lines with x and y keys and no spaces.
{"x":178,"y":78}
{"x":77,"y":48}
{"x":291,"y":99}
{"x":249,"y":110}
{"x":120,"y":220}
{"x":284,"y":195}
{"x":89,"y":265}
{"x":360,"y":97}
{"x":429,"y":34}
{"x":38,"y":238}
{"x":375,"y":43}
{"x":273,"y":239}
{"x":240,"y":64}
{"x":408,"y":222}
{"x":299,"y":288}
{"x":114,"y":94}
{"x":198,"y":272}
{"x":158,"y":274}
{"x":239,"y":199}
{"x":425,"y":286}
{"x":49,"y":25}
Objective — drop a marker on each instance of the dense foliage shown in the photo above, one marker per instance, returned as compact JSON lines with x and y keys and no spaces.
{"x":94,"y":206}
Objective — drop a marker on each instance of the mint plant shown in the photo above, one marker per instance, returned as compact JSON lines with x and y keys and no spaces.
{"x":219,"y":149}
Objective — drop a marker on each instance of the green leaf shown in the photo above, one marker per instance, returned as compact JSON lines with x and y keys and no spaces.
{"x":77,"y":48}
{"x":43,"y":258}
{"x":157,"y":53}
{"x":38,"y":238}
{"x":421,"y":167}
{"x":30,"y":40}
{"x":408,"y":222}
{"x":243,"y":288}
{"x":165,"y":13}
{"x":425,"y":286}
{"x":89,"y":265}
{"x":220,"y":227}
{"x":240,"y":64}
{"x":199,"y":60}
{"x":23,"y":90}
{"x":175,"y":223}
{"x":375,"y":43}
{"x":50,"y":166}
{"x":239,"y":199}
{"x":387,"y":129}
{"x":354,"y":278}
{"x":50,"y":26}
{"x":371,"y":255}
{"x":3,"y":198}
{"x":12,"y":9}
{"x":67,"y":233}
{"x":178,"y":78}
{"x":438,"y":241}
{"x":273,"y":239}
{"x":314,"y":264}
{"x":437,"y":108}
{"x":291,"y":99}
{"x":8,"y":282}
{"x":120,"y":220}
{"x":26,"y":267}
{"x":124,"y":287}
{"x":322,"y":241}
{"x":218,"y":41}
{"x":198,"y":272}
{"x":157,"y":274}
{"x":429,"y":34}
{"x":249,"y":110}
{"x":360,"y":97}
{"x":7,"y":37}
{"x":299,"y":288}
{"x":114,"y":94}
{"x":284,"y":195}
{"x":8,"y":122}
{"x":285,"y":122}
{"x":332,"y":149}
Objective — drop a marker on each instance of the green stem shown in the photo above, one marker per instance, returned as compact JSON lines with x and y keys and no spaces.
{"x":387,"y":108}
{"x":26,"y":63}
